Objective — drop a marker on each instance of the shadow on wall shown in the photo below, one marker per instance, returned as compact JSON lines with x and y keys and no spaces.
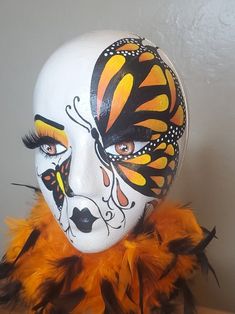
{"x":204,"y":182}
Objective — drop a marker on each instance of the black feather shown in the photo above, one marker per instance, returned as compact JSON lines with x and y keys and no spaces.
{"x":29,"y":244}
{"x":149,"y":228}
{"x":203,"y":261}
{"x":181,"y":246}
{"x":57,"y":311}
{"x":140,"y":224}
{"x":36,"y":189}
{"x":129,"y":292}
{"x":49,"y":290}
{"x":189,"y":303}
{"x":186,"y":205}
{"x":206,"y":232}
{"x":112,"y":304}
{"x":166,"y":306}
{"x":71,"y":265}
{"x":214,"y":274}
{"x":6,"y":269}
{"x":143,"y":226}
{"x":185,"y":245}
{"x":169,"y":267}
{"x":146,"y":272}
{"x":203,"y":244}
{"x":9,"y":293}
{"x":206,"y":266}
{"x":165,"y":309}
{"x":141,"y":285}
{"x":159,"y":238}
{"x":66,"y":303}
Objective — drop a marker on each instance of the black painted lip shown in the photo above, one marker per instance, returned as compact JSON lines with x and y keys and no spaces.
{"x":83,"y":219}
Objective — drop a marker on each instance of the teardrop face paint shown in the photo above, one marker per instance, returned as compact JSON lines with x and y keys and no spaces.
{"x":110,"y":115}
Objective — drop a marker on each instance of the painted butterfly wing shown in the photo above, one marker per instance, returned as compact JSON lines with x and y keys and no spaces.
{"x":152,"y":172}
{"x":134,"y":91}
{"x":64,"y":170}
{"x":50,"y":180}
{"x":56,"y":180}
{"x":58,"y":196}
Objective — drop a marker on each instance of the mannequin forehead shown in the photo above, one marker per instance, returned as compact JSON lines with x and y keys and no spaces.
{"x":68,"y":73}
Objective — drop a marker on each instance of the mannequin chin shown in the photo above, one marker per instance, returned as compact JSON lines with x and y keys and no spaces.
{"x":110,"y":118}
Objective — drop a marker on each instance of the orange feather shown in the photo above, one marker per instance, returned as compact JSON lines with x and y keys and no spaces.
{"x":117,"y":265}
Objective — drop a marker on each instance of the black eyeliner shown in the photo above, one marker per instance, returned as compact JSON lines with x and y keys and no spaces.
{"x":140,"y":134}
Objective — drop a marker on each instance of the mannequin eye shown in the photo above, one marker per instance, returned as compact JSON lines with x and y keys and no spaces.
{"x":47,"y":145}
{"x":125,"y":148}
{"x":52,"y":149}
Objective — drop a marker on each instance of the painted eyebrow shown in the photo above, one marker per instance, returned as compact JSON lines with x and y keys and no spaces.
{"x":50,"y":122}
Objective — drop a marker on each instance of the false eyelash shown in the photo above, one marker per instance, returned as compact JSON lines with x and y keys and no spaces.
{"x":32,"y":140}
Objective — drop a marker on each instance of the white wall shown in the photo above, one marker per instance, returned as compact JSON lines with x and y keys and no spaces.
{"x":200,"y":37}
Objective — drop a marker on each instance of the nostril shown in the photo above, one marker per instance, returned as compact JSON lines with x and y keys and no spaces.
{"x":69,"y":192}
{"x":83,"y":219}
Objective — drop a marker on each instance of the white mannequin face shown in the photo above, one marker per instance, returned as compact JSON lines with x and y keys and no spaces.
{"x":109,"y":113}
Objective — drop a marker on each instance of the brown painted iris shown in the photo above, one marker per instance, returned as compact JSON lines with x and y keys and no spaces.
{"x":125,"y":148}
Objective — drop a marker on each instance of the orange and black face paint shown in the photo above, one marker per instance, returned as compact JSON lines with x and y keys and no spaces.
{"x":136,"y":96}
{"x":56,"y":180}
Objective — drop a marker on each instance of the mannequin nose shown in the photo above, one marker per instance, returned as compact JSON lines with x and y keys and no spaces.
{"x":85,"y":176}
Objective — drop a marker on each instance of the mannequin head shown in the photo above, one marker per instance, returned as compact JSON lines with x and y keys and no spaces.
{"x":109,"y":115}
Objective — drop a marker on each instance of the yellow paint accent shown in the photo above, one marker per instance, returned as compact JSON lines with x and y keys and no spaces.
{"x":145,"y":56}
{"x":172,"y":164}
{"x":44,"y":129}
{"x":120,"y":97}
{"x":159,"y":103}
{"x":155,"y":136}
{"x":172,"y":89}
{"x":128,"y":47}
{"x":154,"y":124}
{"x":178,"y":118}
{"x":133,"y":176}
{"x":159,"y":163}
{"x":159,"y":180}
{"x":154,"y":77}
{"x":170,"y":150}
{"x":111,"y":68}
{"x":161,"y":146}
{"x":60,"y":181}
{"x":140,"y":160}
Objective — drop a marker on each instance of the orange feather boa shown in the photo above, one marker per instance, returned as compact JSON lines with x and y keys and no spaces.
{"x":140,"y":274}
